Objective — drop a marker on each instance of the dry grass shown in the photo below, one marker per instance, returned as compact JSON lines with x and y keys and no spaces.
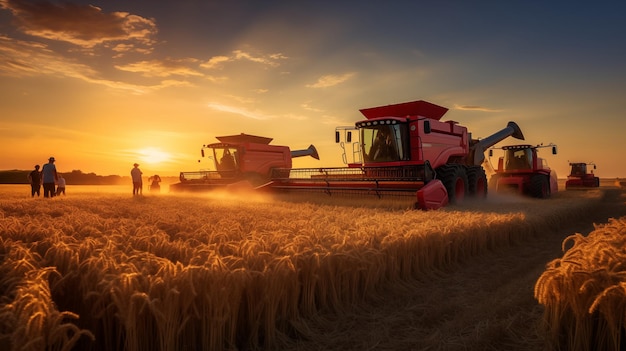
{"x":222,"y":272}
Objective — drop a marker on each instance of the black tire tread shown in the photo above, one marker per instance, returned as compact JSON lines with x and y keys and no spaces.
{"x":448,"y":174}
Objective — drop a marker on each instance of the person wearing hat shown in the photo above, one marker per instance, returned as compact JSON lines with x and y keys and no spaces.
{"x":49,"y":178}
{"x":34,"y":178}
{"x":136,"y":173}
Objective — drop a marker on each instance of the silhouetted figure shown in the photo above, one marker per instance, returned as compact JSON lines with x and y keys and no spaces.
{"x":61,"y":185}
{"x":136,"y":173}
{"x":49,"y":178}
{"x":34,"y":178}
{"x":227,"y":162}
{"x":155,"y":187}
{"x":383,"y":149}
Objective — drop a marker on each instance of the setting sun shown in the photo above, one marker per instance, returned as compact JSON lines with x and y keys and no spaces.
{"x":153,"y":155}
{"x":152,"y":84}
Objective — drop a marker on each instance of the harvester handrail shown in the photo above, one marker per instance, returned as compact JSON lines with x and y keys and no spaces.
{"x":198,"y":175}
{"x":342,"y":174}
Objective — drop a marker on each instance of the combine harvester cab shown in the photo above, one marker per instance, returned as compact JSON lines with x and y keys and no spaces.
{"x":403,"y":150}
{"x":238,"y":159}
{"x":521,"y":171}
{"x":578,"y":177}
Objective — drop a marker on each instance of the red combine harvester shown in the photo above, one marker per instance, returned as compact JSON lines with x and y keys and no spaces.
{"x":239,"y":158}
{"x":578,"y":177}
{"x":522,"y":171}
{"x":404,"y":149}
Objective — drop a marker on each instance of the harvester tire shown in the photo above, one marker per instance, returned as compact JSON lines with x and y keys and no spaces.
{"x":539,"y":186}
{"x":454,"y":179}
{"x":477,"y":182}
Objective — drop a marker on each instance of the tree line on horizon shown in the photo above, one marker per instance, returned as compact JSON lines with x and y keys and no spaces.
{"x":75,"y":177}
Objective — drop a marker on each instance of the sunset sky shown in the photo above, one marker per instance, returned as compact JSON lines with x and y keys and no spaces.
{"x":103,"y":84}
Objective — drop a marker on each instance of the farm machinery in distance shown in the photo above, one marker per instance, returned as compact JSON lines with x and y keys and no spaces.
{"x":578,"y":177}
{"x":239,"y":158}
{"x":404,"y":149}
{"x":520,"y":170}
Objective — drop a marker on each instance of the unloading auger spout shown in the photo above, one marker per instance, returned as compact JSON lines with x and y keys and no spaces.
{"x":310,"y":151}
{"x":479,"y":146}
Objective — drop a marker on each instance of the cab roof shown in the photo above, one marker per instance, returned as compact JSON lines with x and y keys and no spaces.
{"x":244,"y":138}
{"x":414,"y":108}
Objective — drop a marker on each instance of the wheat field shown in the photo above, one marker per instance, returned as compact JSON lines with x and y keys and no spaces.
{"x":584,"y":292}
{"x":98,"y":270}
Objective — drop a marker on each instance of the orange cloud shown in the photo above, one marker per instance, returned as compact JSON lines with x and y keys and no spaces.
{"x":240,"y":55}
{"x":252,"y":114}
{"x":162,"y":68}
{"x":24,"y":58}
{"x":239,"y":111}
{"x":475,"y":108}
{"x":81,"y":25}
{"x":330,"y":80}
{"x":215,"y":62}
{"x":270,"y":60}
{"x":91,"y":31}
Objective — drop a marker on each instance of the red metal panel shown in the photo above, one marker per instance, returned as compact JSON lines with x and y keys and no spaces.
{"x":261,"y":158}
{"x":244,"y":138}
{"x":507,"y":182}
{"x":432,"y":196}
{"x":414,"y":108}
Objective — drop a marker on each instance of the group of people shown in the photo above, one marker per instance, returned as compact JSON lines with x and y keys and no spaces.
{"x":53,"y":182}
{"x":136,"y":174}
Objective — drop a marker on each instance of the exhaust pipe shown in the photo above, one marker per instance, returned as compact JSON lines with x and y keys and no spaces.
{"x":477,"y":151}
{"x":311,"y":151}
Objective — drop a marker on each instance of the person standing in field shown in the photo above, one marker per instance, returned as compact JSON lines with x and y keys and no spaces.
{"x":61,"y":185}
{"x":155,"y":187}
{"x":49,"y":178}
{"x":136,"y":173}
{"x":34,"y":178}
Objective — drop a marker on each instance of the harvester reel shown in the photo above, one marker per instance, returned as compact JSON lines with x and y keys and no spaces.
{"x":454,"y":179}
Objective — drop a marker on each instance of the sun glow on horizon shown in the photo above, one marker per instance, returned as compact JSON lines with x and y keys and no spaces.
{"x":153,"y":155}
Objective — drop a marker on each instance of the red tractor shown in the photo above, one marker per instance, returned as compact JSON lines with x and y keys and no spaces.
{"x":522,"y":171}
{"x":404,"y":149}
{"x":238,"y":158}
{"x":579,"y":178}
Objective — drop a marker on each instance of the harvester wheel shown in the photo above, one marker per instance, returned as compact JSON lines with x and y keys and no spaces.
{"x":454,"y":179}
{"x":539,"y":186}
{"x":477,"y":182}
